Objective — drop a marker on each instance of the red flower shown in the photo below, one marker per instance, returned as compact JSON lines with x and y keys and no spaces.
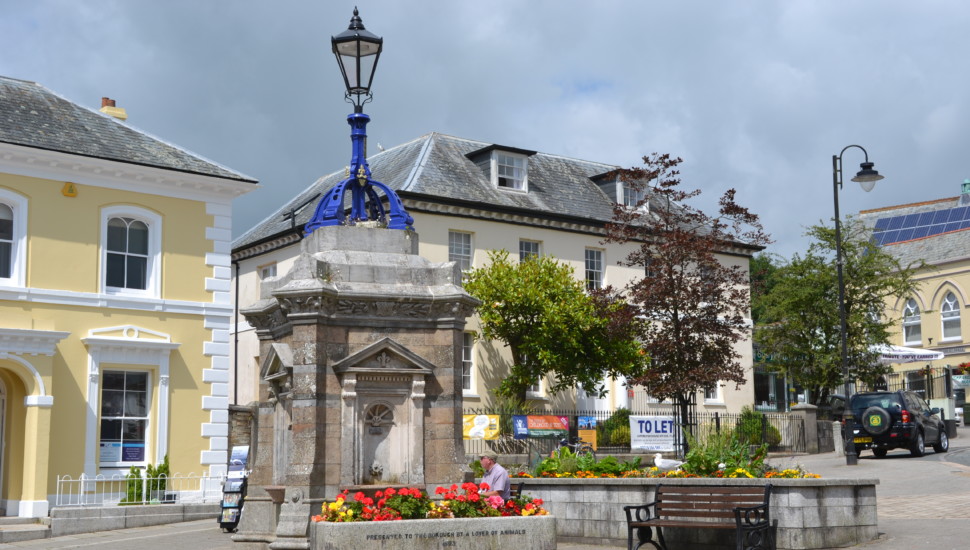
{"x":368,"y":501}
{"x":359,"y":496}
{"x":378,"y":494}
{"x":390,"y":492}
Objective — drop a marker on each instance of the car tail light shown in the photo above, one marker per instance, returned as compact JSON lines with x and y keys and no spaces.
{"x":905,"y":416}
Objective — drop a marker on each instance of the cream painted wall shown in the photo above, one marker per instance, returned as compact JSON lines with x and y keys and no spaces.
{"x":432,"y":230}
{"x":70,"y":227}
{"x":67,"y":382}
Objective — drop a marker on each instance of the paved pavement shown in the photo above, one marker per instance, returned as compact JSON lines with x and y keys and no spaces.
{"x":922,"y":503}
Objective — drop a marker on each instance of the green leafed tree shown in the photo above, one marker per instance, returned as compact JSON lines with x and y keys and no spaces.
{"x":694,"y":292}
{"x":551,"y":325}
{"x":799,"y":324}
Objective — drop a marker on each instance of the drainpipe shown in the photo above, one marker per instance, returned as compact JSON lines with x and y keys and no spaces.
{"x":235,"y":341}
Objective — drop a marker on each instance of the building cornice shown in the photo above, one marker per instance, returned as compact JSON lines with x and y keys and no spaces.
{"x":270,"y":245}
{"x":30,"y":342}
{"x":57,"y":166}
{"x":111,"y":301}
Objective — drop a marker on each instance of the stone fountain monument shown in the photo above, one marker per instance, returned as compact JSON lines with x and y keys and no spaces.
{"x":360,"y":377}
{"x":360,"y":348}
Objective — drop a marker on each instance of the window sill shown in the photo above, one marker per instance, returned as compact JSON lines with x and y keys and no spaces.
{"x":471,"y":395}
{"x":950,"y":340}
{"x":536,"y":396}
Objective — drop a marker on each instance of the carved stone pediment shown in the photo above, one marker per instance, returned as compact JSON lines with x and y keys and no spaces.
{"x":277,"y":370}
{"x":384,"y":357}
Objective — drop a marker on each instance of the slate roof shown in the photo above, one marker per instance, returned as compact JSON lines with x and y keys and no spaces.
{"x":33,"y":116}
{"x":434,"y":167}
{"x":935,"y":249}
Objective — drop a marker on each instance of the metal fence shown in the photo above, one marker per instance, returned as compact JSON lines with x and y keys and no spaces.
{"x":929,"y":383}
{"x":120,"y":490}
{"x":783,"y":432}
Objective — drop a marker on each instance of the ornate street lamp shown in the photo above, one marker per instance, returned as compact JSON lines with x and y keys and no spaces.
{"x":867,"y":178}
{"x":357,"y":52}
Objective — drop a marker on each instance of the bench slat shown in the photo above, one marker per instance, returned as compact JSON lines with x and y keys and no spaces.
{"x":675,"y":523}
{"x":696,"y":514}
{"x":713,"y":499}
{"x":685,"y":489}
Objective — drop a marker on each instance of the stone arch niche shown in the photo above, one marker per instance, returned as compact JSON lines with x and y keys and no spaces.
{"x":382,"y":415}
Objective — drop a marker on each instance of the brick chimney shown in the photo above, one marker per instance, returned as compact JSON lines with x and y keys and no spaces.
{"x":108,"y":108}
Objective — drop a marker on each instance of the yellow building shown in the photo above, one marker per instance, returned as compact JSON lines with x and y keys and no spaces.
{"x":114,"y":298}
{"x":938,"y":233}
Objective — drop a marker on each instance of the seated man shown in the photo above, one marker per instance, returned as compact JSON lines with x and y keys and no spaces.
{"x":495,"y":476}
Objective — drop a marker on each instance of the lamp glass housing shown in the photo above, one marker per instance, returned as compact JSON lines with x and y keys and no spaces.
{"x":357,"y":52}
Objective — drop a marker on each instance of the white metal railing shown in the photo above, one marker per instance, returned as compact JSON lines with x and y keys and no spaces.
{"x":121,"y":490}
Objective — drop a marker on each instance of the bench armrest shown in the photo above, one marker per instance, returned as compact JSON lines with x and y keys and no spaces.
{"x":638,"y":513}
{"x":748,"y":517}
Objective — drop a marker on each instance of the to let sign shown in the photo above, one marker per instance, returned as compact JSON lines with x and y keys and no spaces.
{"x":652,"y":433}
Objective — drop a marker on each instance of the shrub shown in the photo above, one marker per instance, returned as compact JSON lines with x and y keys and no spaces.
{"x":749,"y":429}
{"x":619,"y":420}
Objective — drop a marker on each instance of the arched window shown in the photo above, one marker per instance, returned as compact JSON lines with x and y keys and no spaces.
{"x":912,"y":331}
{"x":6,"y":241}
{"x":131,"y":251}
{"x":950,"y":315}
{"x":13,"y":237}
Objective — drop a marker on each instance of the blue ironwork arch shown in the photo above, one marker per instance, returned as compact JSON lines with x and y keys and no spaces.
{"x":366,"y":204}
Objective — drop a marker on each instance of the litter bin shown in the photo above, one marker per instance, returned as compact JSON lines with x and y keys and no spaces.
{"x":951,"y":427}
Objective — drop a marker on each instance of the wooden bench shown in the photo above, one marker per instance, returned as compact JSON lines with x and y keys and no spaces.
{"x":515,"y":490}
{"x":743,"y":508}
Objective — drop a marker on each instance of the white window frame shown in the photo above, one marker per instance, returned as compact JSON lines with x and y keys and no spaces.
{"x":149,"y":391}
{"x":267,"y":271}
{"x":950,"y":315}
{"x":713,"y":395}
{"x":630,"y":197}
{"x":523,"y":254}
{"x":468,"y":364}
{"x":18,"y":250}
{"x":153,"y":275}
{"x":522,"y":184}
{"x":598,"y":282}
{"x":912,"y":323}
{"x":535,"y":391}
{"x":133,"y":348}
{"x":464,"y":261}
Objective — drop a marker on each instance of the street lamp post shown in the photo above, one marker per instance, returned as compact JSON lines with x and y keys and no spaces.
{"x":357,"y":51}
{"x":867,"y":178}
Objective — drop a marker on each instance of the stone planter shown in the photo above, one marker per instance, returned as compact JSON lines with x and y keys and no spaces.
{"x":811,"y":513}
{"x":534,"y":533}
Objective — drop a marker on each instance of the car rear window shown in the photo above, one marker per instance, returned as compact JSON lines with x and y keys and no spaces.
{"x":884,"y":400}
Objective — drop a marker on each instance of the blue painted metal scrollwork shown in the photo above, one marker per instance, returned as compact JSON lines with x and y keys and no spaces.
{"x":365,"y":204}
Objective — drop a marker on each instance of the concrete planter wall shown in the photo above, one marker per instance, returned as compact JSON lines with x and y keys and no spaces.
{"x":534,"y":533}
{"x":811,"y":513}
{"x":72,"y":520}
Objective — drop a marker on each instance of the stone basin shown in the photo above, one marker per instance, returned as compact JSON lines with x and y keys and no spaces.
{"x":533,"y":532}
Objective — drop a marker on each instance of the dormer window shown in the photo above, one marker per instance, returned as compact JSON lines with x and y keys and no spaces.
{"x":505,"y":167}
{"x":632,"y":196}
{"x":511,"y":171}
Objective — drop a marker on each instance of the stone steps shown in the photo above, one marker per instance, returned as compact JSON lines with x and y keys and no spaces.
{"x":16,"y":529}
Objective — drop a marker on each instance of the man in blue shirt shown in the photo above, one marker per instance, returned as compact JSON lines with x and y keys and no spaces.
{"x":495,"y":476}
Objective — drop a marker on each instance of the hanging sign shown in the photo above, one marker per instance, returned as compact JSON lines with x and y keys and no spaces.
{"x":520,"y":426}
{"x":587,"y":430}
{"x":479,"y":426}
{"x":548,"y":425}
{"x":652,"y":433}
{"x":962,"y":380}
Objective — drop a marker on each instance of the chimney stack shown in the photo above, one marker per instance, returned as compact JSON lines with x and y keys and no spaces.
{"x":965,"y":193}
{"x":108,"y":108}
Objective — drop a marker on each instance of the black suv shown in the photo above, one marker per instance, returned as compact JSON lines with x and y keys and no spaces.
{"x":885,"y":420}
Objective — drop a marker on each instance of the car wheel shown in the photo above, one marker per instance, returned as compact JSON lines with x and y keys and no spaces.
{"x":919,"y":446}
{"x":876,"y":420}
{"x":943,"y":445}
{"x":880,"y":453}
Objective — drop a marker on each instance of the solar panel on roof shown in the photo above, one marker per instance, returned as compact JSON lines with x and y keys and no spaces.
{"x":906,"y":227}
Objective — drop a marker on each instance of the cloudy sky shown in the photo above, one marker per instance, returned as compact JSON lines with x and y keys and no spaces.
{"x":755,"y":95}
